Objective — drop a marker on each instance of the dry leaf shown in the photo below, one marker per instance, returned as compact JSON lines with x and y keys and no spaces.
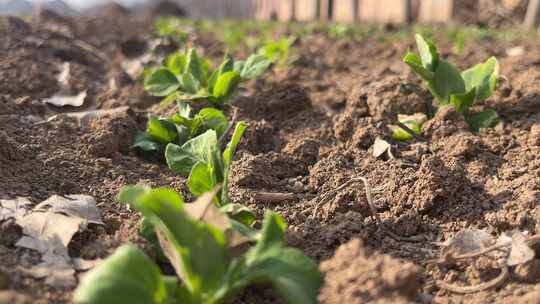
{"x":520,"y":252}
{"x":380,"y":147}
{"x":15,"y":208}
{"x":49,"y":228}
{"x":468,"y":241}
{"x":76,"y":205}
{"x":65,"y":96}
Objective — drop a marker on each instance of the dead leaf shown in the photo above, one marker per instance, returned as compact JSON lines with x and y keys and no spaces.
{"x":520,"y":252}
{"x":60,"y":100}
{"x":14,"y":209}
{"x":65,"y":96}
{"x":380,"y":147}
{"x":468,"y":241}
{"x":76,"y":205}
{"x":49,"y":228}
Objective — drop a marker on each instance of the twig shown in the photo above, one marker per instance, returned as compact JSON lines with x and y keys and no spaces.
{"x":500,"y":279}
{"x":273,"y":197}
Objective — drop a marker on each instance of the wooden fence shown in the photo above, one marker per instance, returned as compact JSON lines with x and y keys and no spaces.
{"x":391,"y":11}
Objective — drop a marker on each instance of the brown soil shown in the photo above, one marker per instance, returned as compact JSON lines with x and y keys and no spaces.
{"x":311,"y":129}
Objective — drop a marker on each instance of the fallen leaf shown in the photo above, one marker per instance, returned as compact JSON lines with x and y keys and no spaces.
{"x":60,"y":100}
{"x":520,"y":252}
{"x":380,"y":147}
{"x":65,"y":97}
{"x":15,"y":208}
{"x":468,"y":241}
{"x":76,"y":205}
{"x":49,"y":227}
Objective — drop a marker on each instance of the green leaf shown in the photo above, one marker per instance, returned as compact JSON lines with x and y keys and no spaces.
{"x":130,"y":194}
{"x":226,"y":66}
{"x":239,"y":213}
{"x":196,"y":249}
{"x":226,"y":85}
{"x":482,"y":77}
{"x":484,"y":119}
{"x":254,"y":66}
{"x":182,"y":158}
{"x":144,"y":142}
{"x":413,"y":122}
{"x":228,"y":155}
{"x":195,"y":67}
{"x":447,"y":81}
{"x":230,"y":150}
{"x":200,"y":179}
{"x":161,"y":82}
{"x":294,"y":275}
{"x":213,"y":119}
{"x":184,"y":109}
{"x":176,"y":63}
{"x":189,"y":84}
{"x":428,"y":53}
{"x":127,"y":276}
{"x":415,"y":64}
{"x":161,"y":130}
{"x":462,"y":102}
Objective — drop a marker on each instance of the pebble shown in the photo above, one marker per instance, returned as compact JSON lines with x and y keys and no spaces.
{"x":298,"y":187}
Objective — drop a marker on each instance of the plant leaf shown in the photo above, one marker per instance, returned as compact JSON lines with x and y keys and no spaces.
{"x":294,"y":275}
{"x":484,"y":119}
{"x":176,"y":63}
{"x":239,"y":213}
{"x":226,"y":84}
{"x":197,"y":250}
{"x":144,"y":142}
{"x":254,"y":66}
{"x":415,"y":64}
{"x":213,"y":119}
{"x":161,"y":130}
{"x":482,"y":77}
{"x":200,"y":179}
{"x":462,"y":102}
{"x":228,"y":155}
{"x":428,"y":53}
{"x":447,"y":81}
{"x":127,"y":276}
{"x":161,"y":82}
{"x":195,"y":67}
{"x":182,"y":158}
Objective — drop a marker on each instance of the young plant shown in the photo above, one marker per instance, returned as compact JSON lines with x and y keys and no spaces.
{"x":450,"y":87}
{"x":188,"y":77}
{"x":198,"y":240}
{"x":207,"y":166}
{"x":171,"y":28}
{"x":278,"y":51}
{"x":413,"y":122}
{"x":177,"y":129}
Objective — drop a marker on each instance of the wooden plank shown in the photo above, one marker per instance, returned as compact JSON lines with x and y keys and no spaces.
{"x":285,"y":10}
{"x":384,"y":11}
{"x":306,"y":10}
{"x":533,"y":14}
{"x":345,"y":10}
{"x":325,"y":12}
{"x":436,"y":10}
{"x":263,"y":9}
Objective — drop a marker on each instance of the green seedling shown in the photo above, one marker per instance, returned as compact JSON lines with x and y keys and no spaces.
{"x":201,"y":158}
{"x":413,"y":122}
{"x":199,"y":242}
{"x":186,"y":76}
{"x":177,"y":129}
{"x":278,"y":51}
{"x":450,"y":87}
{"x":171,"y":28}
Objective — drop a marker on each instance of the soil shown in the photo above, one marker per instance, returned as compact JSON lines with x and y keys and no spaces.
{"x":312,"y":126}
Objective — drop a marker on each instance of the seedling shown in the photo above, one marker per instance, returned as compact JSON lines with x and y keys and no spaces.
{"x":450,"y":87}
{"x":177,"y":129}
{"x":202,"y":159}
{"x":413,"y":122}
{"x":188,"y":77}
{"x":171,"y":28}
{"x":198,"y":241}
{"x":278,"y":51}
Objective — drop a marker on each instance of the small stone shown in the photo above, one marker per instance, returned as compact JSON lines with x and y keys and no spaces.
{"x":298,"y":187}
